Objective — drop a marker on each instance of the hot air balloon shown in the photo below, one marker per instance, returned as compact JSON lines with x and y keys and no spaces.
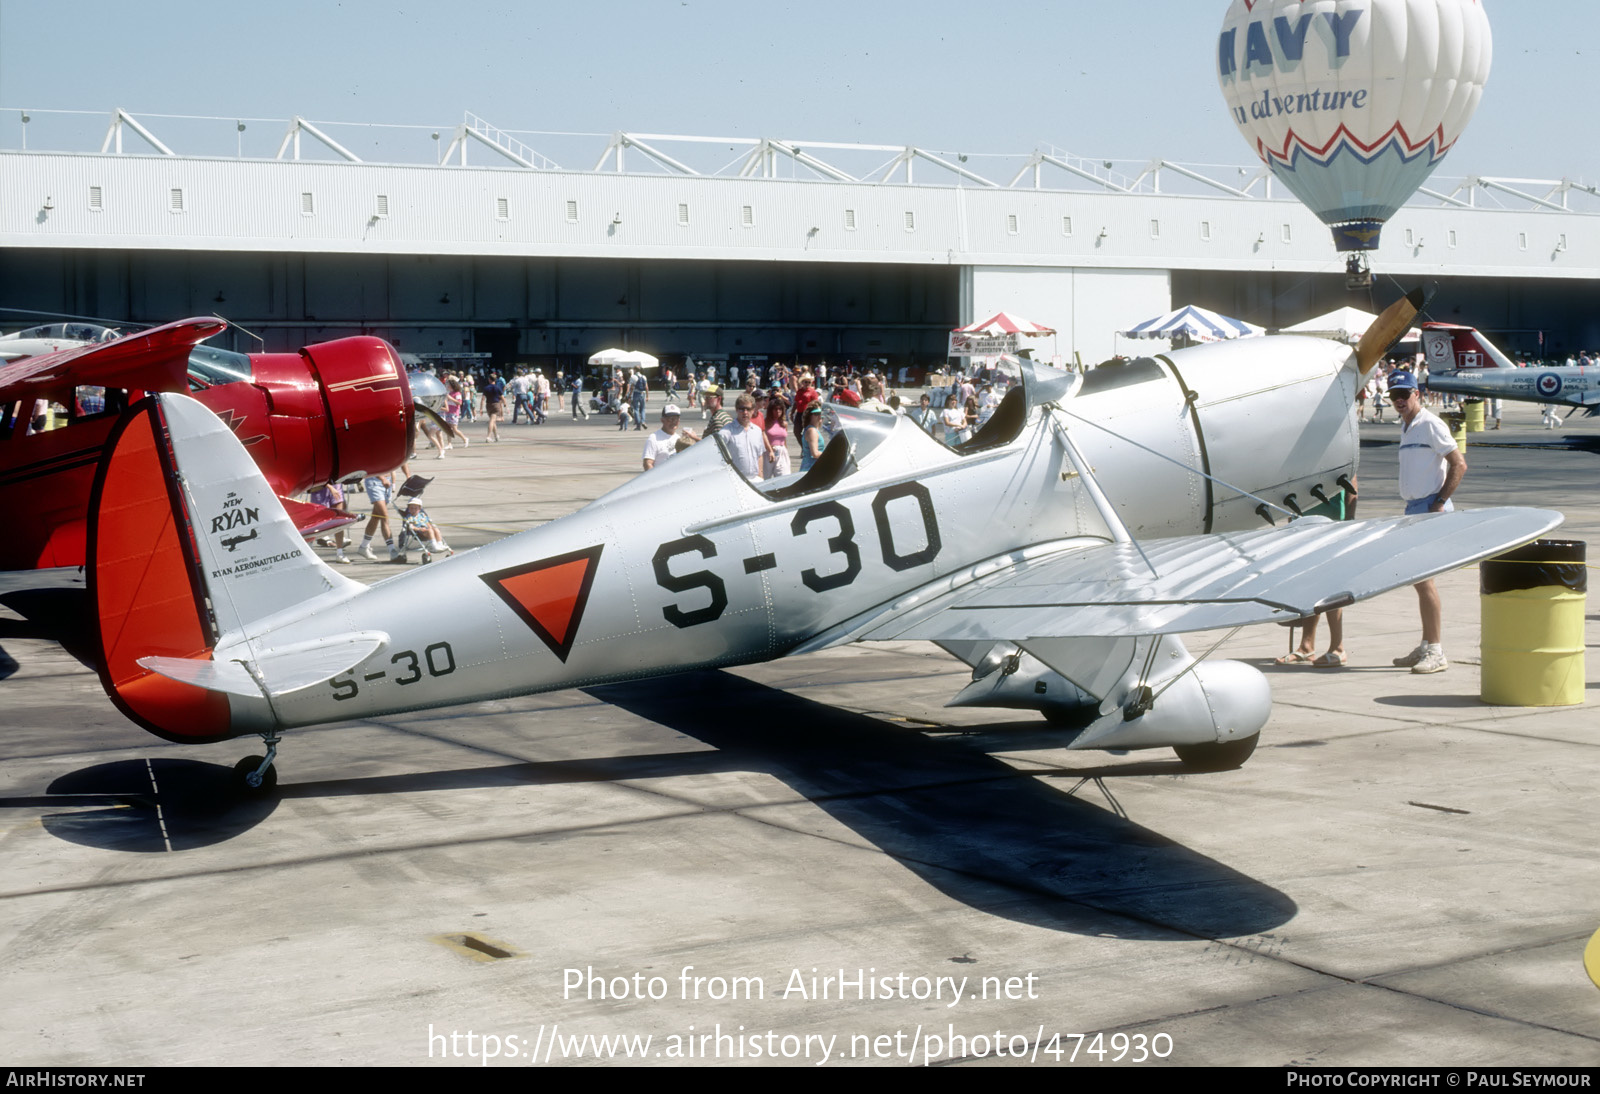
{"x":1352,"y":103}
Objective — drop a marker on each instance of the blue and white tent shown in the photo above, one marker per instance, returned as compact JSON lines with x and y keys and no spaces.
{"x":1193,"y":323}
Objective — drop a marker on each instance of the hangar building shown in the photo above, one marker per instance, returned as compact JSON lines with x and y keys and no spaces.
{"x":785,"y":250}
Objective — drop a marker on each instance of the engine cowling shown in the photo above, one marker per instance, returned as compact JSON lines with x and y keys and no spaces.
{"x":335,"y":409}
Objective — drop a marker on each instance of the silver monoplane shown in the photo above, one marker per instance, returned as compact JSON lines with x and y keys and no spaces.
{"x":1060,"y":552}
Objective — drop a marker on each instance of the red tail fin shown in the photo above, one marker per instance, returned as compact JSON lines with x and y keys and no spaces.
{"x":1449,"y":347}
{"x":144,"y":584}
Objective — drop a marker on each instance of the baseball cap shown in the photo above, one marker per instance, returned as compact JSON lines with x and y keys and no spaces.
{"x":1402,"y":381}
{"x":671,"y":408}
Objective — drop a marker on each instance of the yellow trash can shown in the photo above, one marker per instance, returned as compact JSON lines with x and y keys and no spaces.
{"x":1532,"y":602}
{"x":1456,"y":422}
{"x":1474,"y":409}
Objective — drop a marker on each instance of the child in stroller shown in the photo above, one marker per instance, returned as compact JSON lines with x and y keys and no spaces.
{"x":414,"y":522}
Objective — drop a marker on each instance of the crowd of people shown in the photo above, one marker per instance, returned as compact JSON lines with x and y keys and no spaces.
{"x":765,"y":421}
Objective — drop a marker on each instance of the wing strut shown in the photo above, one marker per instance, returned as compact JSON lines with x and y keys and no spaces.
{"x":1119,"y":531}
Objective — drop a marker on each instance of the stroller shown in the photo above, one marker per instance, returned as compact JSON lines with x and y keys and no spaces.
{"x":415,"y":525}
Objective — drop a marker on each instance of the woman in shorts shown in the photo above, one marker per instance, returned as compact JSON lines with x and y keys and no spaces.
{"x":454,"y":400}
{"x":378,"y":488}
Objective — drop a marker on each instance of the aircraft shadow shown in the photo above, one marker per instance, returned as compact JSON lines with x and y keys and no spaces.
{"x":154,"y":805}
{"x":1014,"y":845}
{"x":59,"y":615}
{"x":114,"y":806}
{"x":1421,"y":701}
{"x":970,"y":825}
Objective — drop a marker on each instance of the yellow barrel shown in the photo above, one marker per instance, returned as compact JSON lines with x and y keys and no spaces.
{"x":1474,"y":409}
{"x":1457,"y":425}
{"x":1532,"y":606}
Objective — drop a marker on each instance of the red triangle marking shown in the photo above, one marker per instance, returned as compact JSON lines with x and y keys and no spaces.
{"x":550,"y":595}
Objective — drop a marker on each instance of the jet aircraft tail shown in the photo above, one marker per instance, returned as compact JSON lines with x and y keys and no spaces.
{"x":1447,"y":347}
{"x":189,"y":555}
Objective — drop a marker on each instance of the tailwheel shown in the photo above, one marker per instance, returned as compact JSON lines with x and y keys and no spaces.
{"x":1217,"y":756}
{"x":257,"y":776}
{"x":252,"y":779}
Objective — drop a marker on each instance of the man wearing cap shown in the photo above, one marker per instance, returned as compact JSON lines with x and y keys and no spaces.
{"x":716,"y":417}
{"x":663,"y":444}
{"x":803,"y":398}
{"x":1431,"y":468}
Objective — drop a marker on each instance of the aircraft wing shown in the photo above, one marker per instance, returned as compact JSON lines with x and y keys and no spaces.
{"x":1195,"y":583}
{"x":152,"y":360}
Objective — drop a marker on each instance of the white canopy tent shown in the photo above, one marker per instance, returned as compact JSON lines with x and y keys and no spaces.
{"x":1343,"y":325}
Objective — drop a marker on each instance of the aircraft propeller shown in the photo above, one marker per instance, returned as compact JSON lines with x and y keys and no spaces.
{"x":1388,"y":329}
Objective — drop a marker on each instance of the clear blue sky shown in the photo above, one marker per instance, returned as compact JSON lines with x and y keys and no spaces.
{"x":1114,"y":80}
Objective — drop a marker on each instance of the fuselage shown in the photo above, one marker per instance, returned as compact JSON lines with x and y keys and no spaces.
{"x":690,"y":565}
{"x":1567,"y":385}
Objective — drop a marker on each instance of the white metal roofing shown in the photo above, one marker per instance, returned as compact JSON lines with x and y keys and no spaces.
{"x":650,"y":197}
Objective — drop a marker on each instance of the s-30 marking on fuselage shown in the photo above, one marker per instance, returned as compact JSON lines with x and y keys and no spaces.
{"x":1059,"y":552}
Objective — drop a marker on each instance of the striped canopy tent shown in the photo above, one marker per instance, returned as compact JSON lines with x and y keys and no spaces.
{"x":1003,"y":322}
{"x":1195,"y":324}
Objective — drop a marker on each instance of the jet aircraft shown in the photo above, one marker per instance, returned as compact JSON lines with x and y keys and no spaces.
{"x":1060,"y":552}
{"x":329,"y":411}
{"x":1462,"y":361}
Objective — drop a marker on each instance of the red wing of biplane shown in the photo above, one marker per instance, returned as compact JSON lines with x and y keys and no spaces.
{"x":153,"y":360}
{"x":327,"y":412}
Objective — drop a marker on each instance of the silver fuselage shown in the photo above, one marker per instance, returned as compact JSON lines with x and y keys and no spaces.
{"x":690,"y":565}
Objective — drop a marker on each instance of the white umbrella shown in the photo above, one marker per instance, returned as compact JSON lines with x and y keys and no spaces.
{"x":623,"y":358}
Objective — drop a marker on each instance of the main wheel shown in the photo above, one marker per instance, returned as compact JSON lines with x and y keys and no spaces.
{"x":1220,"y":756}
{"x":245,"y":770}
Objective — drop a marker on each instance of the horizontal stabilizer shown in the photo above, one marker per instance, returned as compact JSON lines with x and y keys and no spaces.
{"x":312,"y":519}
{"x":1206,"y":582}
{"x":283,"y":670}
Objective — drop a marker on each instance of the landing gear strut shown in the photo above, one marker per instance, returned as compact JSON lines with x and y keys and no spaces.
{"x":255,"y":775}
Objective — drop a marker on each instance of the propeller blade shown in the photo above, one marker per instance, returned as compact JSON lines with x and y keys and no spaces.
{"x":1388,"y":329}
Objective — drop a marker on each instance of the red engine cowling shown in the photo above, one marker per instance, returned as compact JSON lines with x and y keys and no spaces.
{"x":333,"y":409}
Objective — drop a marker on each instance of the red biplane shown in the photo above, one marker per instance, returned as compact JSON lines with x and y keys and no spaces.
{"x":325,"y":413}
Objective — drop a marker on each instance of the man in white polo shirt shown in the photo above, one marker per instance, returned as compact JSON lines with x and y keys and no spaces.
{"x":1431,"y":468}
{"x":662,"y":445}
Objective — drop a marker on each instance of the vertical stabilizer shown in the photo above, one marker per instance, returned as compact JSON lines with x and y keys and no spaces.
{"x":144,"y":583}
{"x":189,"y":549}
{"x":252,"y":558}
{"x":1448,"y":347}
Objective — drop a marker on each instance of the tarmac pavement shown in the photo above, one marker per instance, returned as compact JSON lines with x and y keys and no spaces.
{"x":1400,"y":875}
